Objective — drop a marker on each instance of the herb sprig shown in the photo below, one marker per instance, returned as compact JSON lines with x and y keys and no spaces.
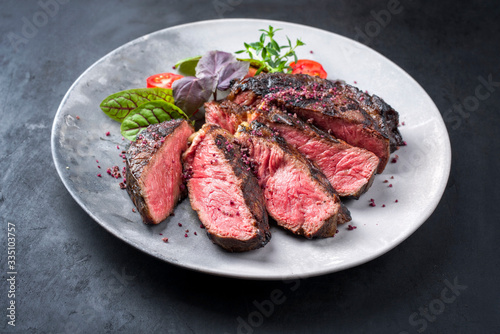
{"x":266,"y":53}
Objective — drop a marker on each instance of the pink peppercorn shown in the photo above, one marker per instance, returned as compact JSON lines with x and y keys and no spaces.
{"x":107,"y":133}
{"x":99,"y":175}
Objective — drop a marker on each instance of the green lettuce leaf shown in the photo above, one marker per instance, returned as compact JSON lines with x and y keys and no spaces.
{"x":187,"y":66}
{"x":120,"y":105}
{"x":147,"y":114}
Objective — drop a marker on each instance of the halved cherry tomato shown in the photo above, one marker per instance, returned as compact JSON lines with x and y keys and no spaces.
{"x":251,"y":72}
{"x":163,"y":80}
{"x":307,"y":66}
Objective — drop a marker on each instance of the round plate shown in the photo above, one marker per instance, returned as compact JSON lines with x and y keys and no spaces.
{"x":418,"y":178}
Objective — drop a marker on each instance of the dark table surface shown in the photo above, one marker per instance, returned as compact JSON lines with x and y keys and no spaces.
{"x":74,"y":277}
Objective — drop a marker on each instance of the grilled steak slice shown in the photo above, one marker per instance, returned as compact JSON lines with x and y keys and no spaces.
{"x":154,"y":169}
{"x":384,"y":115}
{"x":298,"y":196}
{"x":226,"y":114}
{"x":349,"y":169}
{"x":224,"y":192}
{"x":329,"y":105}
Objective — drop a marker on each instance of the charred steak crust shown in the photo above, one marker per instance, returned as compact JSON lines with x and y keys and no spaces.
{"x":250,"y":189}
{"x":326,"y":103}
{"x":139,"y":155}
{"x":328,"y":229}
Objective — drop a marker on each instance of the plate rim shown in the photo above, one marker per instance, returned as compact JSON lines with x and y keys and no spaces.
{"x":318,"y":272}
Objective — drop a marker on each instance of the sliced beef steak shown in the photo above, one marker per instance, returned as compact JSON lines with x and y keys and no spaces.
{"x":226,"y":114}
{"x":298,"y":196}
{"x":384,"y":115}
{"x":329,"y":105}
{"x":349,"y":169}
{"x":154,"y":169}
{"x":224,"y":192}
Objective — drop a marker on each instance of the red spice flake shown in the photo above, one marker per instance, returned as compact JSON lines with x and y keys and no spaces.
{"x":122,"y":185}
{"x":355,"y":82}
{"x":108,"y":171}
{"x":392,"y":177}
{"x":403,"y":123}
{"x":311,"y":52}
{"x":78,"y":117}
{"x":372,"y":202}
{"x":97,"y":161}
{"x":385,"y":181}
{"x":98,"y":166}
{"x":231,"y":202}
{"x":99,"y":175}
{"x":107,"y":134}
{"x":187,"y":231}
{"x":390,"y":185}
{"x":405,"y":143}
{"x":161,"y":233}
{"x":195,"y":233}
{"x":133,"y":209}
{"x":396,"y":201}
{"x":383,"y":205}
{"x":351,"y":227}
{"x":173,"y":67}
{"x":117,"y":147}
{"x":337,"y":231}
{"x":179,"y":224}
{"x":165,"y":239}
{"x":185,"y":235}
{"x":172,"y":214}
{"x":201,"y":226}
{"x":123,"y":138}
{"x":395,"y":159}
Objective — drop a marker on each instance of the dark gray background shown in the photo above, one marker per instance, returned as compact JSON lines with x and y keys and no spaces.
{"x":73,"y":276}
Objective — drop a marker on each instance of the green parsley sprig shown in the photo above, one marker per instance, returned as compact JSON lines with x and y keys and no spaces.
{"x":266,"y":53}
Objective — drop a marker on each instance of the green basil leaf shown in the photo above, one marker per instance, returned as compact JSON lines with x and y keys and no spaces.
{"x":187,"y":66}
{"x":120,"y":105}
{"x":147,"y":114}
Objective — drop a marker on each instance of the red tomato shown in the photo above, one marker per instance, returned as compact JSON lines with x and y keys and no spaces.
{"x":163,"y":80}
{"x":251,"y":72}
{"x":307,"y":66}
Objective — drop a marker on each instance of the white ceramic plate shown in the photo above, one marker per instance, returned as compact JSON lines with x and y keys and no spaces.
{"x":420,"y":175}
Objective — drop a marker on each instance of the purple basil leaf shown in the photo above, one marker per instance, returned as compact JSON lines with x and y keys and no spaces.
{"x":190,"y":93}
{"x":222,"y":66}
{"x":212,"y":62}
